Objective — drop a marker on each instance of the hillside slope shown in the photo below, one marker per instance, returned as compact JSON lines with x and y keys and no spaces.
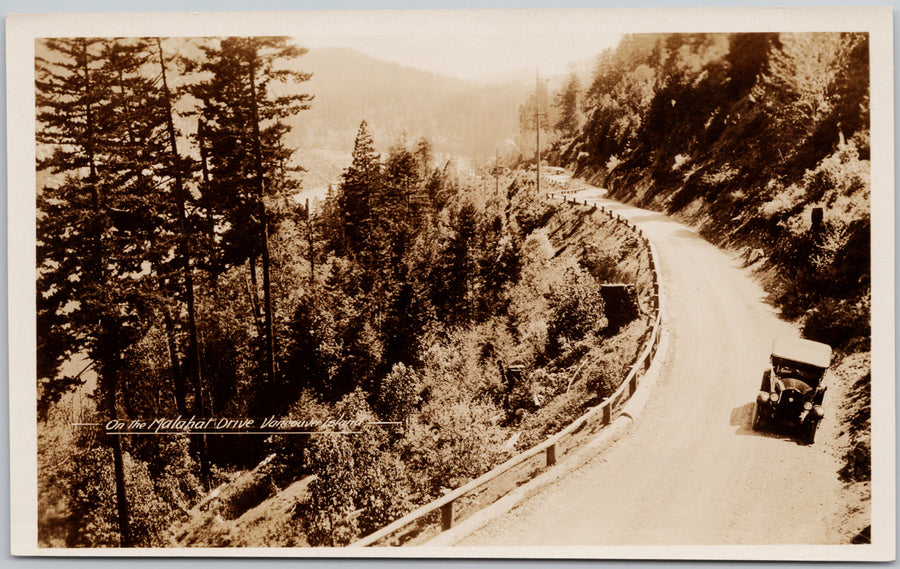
{"x":760,"y":141}
{"x":465,"y":421}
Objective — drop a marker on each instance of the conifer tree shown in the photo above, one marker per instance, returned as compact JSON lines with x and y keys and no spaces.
{"x":98,"y":229}
{"x":178,"y":169}
{"x":567,"y":102}
{"x":360,"y":187}
{"x":244,"y":124}
{"x":402,"y":195}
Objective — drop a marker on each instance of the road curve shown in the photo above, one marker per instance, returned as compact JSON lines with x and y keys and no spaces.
{"x":692,"y":472}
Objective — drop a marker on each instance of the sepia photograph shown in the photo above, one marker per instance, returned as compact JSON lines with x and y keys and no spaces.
{"x":453,"y":283}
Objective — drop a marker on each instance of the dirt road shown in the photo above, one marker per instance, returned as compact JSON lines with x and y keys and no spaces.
{"x":692,"y":471}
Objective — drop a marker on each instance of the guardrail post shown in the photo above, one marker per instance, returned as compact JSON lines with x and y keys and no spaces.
{"x":447,"y":516}
{"x":607,"y":413}
{"x":551,"y":455}
{"x":632,"y":385}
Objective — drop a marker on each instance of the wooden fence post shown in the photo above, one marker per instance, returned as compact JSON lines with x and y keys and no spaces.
{"x":447,"y":516}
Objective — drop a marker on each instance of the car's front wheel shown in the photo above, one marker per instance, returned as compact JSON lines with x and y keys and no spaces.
{"x":809,"y":432}
{"x":756,"y":422}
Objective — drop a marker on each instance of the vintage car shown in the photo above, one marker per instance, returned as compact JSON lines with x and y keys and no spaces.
{"x":793,"y":387}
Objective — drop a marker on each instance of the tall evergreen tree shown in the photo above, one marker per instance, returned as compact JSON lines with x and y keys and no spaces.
{"x":178,"y":170}
{"x":244,"y":124}
{"x":360,"y":187}
{"x":402,"y":193}
{"x":568,"y":104}
{"x":98,"y":229}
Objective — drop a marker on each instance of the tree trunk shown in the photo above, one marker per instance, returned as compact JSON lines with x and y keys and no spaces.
{"x":254,"y":285}
{"x":111,"y":375}
{"x":210,"y":224}
{"x":264,"y":222}
{"x":178,"y":380}
{"x":253,"y":295}
{"x":180,"y":198}
{"x":96,"y":269}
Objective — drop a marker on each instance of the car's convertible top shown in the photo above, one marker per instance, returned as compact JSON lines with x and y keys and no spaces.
{"x":802,"y":351}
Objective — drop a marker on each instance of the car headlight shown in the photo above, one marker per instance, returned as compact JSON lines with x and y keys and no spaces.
{"x":807,"y":406}
{"x":819,"y":411}
{"x":762,"y":398}
{"x":773,"y":398}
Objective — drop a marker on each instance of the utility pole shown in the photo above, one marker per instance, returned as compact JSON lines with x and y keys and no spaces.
{"x":497,"y":173}
{"x":312,"y":251}
{"x":537,"y":116}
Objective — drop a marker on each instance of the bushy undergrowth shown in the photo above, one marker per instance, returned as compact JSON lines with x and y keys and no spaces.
{"x":452,"y":401}
{"x":77,"y":489}
{"x":156,"y":503}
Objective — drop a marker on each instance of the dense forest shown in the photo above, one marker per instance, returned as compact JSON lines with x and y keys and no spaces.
{"x":178,"y":278}
{"x":762,"y":141}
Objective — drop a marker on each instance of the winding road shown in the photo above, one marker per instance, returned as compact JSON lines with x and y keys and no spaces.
{"x":692,"y":472}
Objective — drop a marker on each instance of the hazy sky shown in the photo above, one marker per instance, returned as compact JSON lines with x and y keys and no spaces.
{"x":468,"y":44}
{"x":469,"y":56}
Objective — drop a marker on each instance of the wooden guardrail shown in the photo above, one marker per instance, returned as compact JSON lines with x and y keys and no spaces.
{"x":423,"y":521}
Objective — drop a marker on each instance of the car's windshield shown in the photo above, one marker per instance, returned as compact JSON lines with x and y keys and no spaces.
{"x":796,"y":384}
{"x":804,"y":372}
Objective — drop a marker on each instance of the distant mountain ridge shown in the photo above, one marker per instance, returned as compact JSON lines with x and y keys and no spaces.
{"x":459,"y":117}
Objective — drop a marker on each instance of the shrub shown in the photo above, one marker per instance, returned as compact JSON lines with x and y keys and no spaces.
{"x":576,"y":308}
{"x":289,"y":462}
{"x":92,"y":502}
{"x":359,"y":485}
{"x":451,"y":443}
{"x":399,"y":393}
{"x":838,"y":322}
{"x":858,"y":456}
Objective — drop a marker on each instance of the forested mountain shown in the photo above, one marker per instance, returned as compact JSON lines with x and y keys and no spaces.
{"x":459,"y":117}
{"x":762,"y":140}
